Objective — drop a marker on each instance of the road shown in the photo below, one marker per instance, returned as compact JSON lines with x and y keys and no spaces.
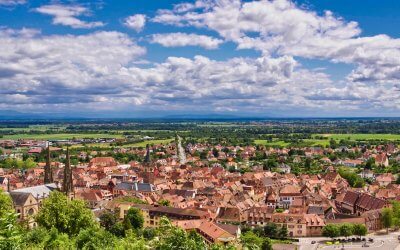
{"x":181,"y":151}
{"x":386,"y":242}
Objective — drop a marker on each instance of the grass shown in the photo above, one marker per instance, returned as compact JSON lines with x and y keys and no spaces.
{"x":61,"y":136}
{"x":391,"y":137}
{"x":132,"y":145}
{"x":272,"y":144}
{"x":144,"y":143}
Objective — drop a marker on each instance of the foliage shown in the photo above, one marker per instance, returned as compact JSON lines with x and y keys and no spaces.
{"x":360,"y":229}
{"x":6,"y":205}
{"x":10,"y":232}
{"x":250,"y":240}
{"x":95,"y":238}
{"x":165,"y":203}
{"x":108,"y":220}
{"x":174,"y":238}
{"x":387,"y":218}
{"x":331,"y":231}
{"x":352,"y":178}
{"x":65,"y":215}
{"x":135,"y":218}
{"x":346,"y":230}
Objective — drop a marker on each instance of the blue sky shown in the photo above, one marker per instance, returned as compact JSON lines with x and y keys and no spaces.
{"x":144,"y":58}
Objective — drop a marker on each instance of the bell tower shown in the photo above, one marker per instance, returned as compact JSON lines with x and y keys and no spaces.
{"x":48,"y":173}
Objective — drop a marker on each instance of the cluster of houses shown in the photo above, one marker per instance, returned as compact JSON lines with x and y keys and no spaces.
{"x":206,"y":197}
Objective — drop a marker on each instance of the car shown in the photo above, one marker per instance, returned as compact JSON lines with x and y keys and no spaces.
{"x":371,"y":240}
{"x":313,"y":242}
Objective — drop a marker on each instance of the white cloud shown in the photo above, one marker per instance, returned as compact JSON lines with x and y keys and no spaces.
{"x":68,"y":15}
{"x":183,"y":39}
{"x":135,"y":22}
{"x":282,"y":27}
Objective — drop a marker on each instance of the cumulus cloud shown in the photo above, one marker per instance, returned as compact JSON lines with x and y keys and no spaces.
{"x":67,"y":15}
{"x":135,"y":22}
{"x":282,"y":27}
{"x":99,"y":71}
{"x":183,"y":39}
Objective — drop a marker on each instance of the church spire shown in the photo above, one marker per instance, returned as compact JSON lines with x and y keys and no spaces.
{"x":67,"y":182}
{"x":48,"y":173}
{"x":147,"y":159}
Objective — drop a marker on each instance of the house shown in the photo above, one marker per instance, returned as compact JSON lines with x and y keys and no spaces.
{"x":299,"y":225}
{"x":358,"y":203}
{"x":230,"y":215}
{"x":258,"y":216}
{"x":153,"y":214}
{"x":287,"y":195}
{"x":39,"y":192}
{"x":385,"y":179}
{"x":26,"y":205}
{"x":381,"y":160}
{"x":131,"y":188}
{"x":212,"y":232}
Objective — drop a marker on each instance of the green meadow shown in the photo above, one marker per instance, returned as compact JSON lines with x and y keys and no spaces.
{"x":61,"y":136}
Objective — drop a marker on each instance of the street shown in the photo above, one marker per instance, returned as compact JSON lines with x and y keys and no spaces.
{"x":389,"y":242}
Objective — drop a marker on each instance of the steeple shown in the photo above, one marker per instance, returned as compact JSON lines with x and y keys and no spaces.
{"x":67,"y":182}
{"x":147,"y":159}
{"x":48,"y":173}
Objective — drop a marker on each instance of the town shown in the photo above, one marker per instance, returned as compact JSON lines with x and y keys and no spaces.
{"x":341,"y":194}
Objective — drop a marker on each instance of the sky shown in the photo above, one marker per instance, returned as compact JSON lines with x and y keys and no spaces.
{"x":149,"y":58}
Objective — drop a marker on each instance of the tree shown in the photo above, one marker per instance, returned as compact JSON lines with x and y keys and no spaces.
{"x":118,"y":229}
{"x":108,"y":220}
{"x":283,"y":232}
{"x":250,"y":240}
{"x":164,"y":203}
{"x":10,"y":233}
{"x":271,"y":230}
{"x":360,"y":229}
{"x":95,"y":238}
{"x":135,"y":217}
{"x":65,"y":215}
{"x":387,"y":218}
{"x":346,"y":230}
{"x":331,"y":231}
{"x":6,"y":205}
{"x":171,"y":238}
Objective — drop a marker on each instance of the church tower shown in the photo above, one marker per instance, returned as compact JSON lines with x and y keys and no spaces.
{"x":68,"y":186}
{"x":148,"y":171}
{"x":48,"y":173}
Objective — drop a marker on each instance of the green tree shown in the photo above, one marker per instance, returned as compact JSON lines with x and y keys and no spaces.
{"x":387,"y":218}
{"x":11,"y":235}
{"x":346,"y":230}
{"x":164,"y":203}
{"x":108,"y":220}
{"x":95,"y":238}
{"x":360,"y":229}
{"x":282,"y":232}
{"x":331,"y":231}
{"x":65,"y":215}
{"x":135,"y":217}
{"x":271,"y":230}
{"x":171,"y":238}
{"x":57,"y":240}
{"x":250,"y":240}
{"x":6,"y":205}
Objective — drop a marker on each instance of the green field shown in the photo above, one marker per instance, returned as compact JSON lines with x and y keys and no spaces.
{"x":271,"y":144}
{"x":362,"y":136}
{"x":144,"y":143}
{"x":61,"y":136}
